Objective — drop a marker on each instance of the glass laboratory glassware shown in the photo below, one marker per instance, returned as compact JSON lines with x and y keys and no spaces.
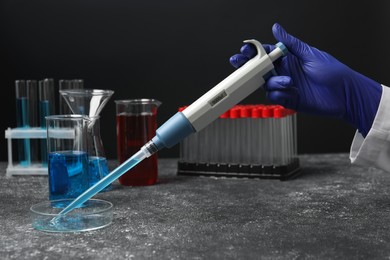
{"x":67,"y":155}
{"x":98,"y":166}
{"x":32,"y":89}
{"x":90,"y":102}
{"x":94,"y":214}
{"x":136,"y":124}
{"x":22,"y":121}
{"x":65,"y":84}
{"x":46,"y":108}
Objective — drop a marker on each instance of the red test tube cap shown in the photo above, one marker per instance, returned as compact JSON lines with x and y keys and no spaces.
{"x":257,"y":111}
{"x":290,"y":112}
{"x":225,"y":115}
{"x":246,"y":111}
{"x":279,"y":112}
{"x":267,"y":112}
{"x":235,"y":112}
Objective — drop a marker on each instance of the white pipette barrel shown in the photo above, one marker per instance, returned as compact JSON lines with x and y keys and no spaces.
{"x":237,"y":86}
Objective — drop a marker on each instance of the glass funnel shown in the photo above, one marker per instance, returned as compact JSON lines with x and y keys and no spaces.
{"x":90,"y":102}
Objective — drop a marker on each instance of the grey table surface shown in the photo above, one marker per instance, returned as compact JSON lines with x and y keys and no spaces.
{"x":333,"y":210}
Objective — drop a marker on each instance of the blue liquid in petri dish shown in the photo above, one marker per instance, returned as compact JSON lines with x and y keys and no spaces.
{"x":93,"y":214}
{"x":100,"y":185}
{"x":98,"y":169}
{"x":68,"y":174}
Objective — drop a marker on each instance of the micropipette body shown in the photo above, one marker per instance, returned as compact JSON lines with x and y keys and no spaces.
{"x":237,"y":86}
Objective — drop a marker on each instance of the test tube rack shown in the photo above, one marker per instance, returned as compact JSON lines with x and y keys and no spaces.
{"x":24,"y":133}
{"x":31,"y":126}
{"x":28,"y":133}
{"x":247,"y":141}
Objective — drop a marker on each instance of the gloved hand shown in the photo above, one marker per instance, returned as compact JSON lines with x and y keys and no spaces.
{"x":312,"y":81}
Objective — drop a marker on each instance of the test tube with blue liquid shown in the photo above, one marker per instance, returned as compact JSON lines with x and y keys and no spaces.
{"x":32,"y":90}
{"x":22,"y":121}
{"x":46,"y":108}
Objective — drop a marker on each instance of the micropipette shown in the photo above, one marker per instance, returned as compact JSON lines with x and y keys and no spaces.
{"x":238,"y":85}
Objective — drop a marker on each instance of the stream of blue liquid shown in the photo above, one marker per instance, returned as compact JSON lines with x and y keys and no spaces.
{"x":100,"y":185}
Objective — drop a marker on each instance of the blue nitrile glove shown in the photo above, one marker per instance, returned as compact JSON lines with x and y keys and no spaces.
{"x":312,"y":81}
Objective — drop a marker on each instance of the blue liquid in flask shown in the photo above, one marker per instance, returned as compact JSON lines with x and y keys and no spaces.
{"x":98,"y":169}
{"x":68,"y":174}
{"x":115,"y":174}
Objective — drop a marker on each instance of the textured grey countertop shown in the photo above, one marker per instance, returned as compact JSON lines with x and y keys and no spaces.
{"x":333,"y":210}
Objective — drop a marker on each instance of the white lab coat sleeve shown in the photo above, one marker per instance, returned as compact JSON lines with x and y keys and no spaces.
{"x":374,"y":150}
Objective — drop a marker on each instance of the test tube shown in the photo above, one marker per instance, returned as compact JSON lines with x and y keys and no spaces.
{"x":256,"y":135}
{"x":22,"y":120}
{"x":295,"y":137}
{"x":278,"y":136}
{"x":267,"y":136}
{"x":213,"y":144}
{"x":293,"y":123}
{"x":214,"y":141}
{"x":246,"y":143}
{"x":63,"y":107}
{"x":32,"y":89}
{"x":223,"y":136}
{"x":290,"y":140}
{"x":46,"y":100}
{"x":202,"y":141}
{"x":77,"y":83}
{"x":46,"y":108}
{"x":235,"y":135}
{"x":246,"y":135}
{"x":286,"y":139}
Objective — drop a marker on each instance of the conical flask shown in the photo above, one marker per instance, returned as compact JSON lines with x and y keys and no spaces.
{"x":90,"y":102}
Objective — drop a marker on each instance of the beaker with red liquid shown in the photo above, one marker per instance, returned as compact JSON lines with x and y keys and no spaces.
{"x":136,"y":124}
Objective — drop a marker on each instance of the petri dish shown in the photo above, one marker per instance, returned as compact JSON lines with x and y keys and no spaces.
{"x":93,"y":214}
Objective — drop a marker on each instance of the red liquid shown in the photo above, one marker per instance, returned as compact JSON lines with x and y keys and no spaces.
{"x":134,"y":131}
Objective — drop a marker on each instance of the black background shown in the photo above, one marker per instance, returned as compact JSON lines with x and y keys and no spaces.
{"x":175,"y":51}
